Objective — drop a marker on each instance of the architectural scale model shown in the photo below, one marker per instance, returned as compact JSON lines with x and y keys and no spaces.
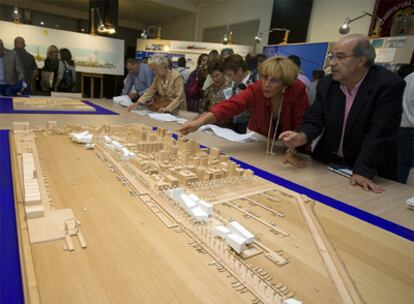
{"x":50,"y":104}
{"x":265,"y":239}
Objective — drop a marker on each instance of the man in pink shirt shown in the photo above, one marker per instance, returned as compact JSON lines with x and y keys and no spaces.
{"x":357,"y":110}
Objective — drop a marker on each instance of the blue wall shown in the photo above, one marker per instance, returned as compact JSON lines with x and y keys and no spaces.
{"x":312,"y":55}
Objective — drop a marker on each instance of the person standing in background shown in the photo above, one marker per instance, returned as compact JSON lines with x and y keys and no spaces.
{"x":11,"y":71}
{"x":406,"y":132}
{"x":28,"y":64}
{"x":51,"y":66}
{"x":212,"y":56}
{"x":138,"y":80}
{"x":301,"y":76}
{"x":195,"y":82}
{"x":236,"y":69}
{"x":316,"y":75}
{"x":216,"y":92}
{"x":182,"y":69}
{"x":66,"y":78}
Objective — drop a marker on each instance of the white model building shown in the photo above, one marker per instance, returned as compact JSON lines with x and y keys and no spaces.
{"x":31,"y":195}
{"x":186,"y":202}
{"x":235,"y":235}
{"x":126,"y":154}
{"x":114,"y":145}
{"x":107,"y":139}
{"x":199,"y":214}
{"x":198,"y":209}
{"x":410,"y":202}
{"x":175,"y":193}
{"x":82,"y":137}
{"x":221,"y":231}
{"x":237,"y":242}
{"x":291,"y":301}
{"x":207,"y":207}
{"x":240,"y":230}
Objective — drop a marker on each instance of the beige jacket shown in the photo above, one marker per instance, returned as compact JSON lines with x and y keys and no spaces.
{"x":174,"y":91}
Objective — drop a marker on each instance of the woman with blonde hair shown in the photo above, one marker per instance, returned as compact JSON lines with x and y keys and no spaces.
{"x":52,"y":59}
{"x":278,"y":102}
{"x":166,"y":93}
{"x":50,"y":69}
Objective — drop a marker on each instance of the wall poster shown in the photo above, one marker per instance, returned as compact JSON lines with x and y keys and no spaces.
{"x":92,"y":54}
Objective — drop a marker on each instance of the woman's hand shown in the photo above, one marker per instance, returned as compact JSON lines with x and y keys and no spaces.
{"x":189,"y":127}
{"x":192,"y":126}
{"x":132,"y":107}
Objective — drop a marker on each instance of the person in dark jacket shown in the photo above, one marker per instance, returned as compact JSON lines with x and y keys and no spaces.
{"x":28,"y":63}
{"x":66,"y":76}
{"x":11,"y":70}
{"x":52,"y":59}
{"x":194,"y":84}
{"x":358,"y":112}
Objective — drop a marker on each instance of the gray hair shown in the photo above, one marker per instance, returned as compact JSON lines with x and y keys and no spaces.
{"x":364,"y":48}
{"x":159,"y":60}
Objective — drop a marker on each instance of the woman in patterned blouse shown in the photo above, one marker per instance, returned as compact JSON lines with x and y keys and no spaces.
{"x":217,"y":91}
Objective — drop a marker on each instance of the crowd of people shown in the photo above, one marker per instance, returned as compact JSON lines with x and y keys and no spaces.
{"x":19,"y":71}
{"x":351,"y":117}
{"x":359,"y":116}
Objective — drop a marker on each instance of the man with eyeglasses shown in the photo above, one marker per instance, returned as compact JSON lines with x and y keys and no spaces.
{"x":357,"y":112}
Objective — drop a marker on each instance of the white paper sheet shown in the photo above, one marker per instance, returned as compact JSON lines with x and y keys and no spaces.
{"x":142,"y":112}
{"x":166,"y":117}
{"x":229,"y":134}
{"x":123,"y":100}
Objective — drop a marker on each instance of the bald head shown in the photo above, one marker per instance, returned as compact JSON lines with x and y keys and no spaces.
{"x":360,"y":46}
{"x":356,"y":37}
{"x":19,"y":43}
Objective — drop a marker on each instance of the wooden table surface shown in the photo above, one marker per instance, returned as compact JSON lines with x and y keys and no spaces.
{"x":380,"y":263}
{"x":389,"y":205}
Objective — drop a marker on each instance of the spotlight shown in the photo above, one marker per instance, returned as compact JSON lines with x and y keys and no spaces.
{"x":225,"y":39}
{"x":258,"y":37}
{"x":344,"y":29}
{"x":16,"y":15}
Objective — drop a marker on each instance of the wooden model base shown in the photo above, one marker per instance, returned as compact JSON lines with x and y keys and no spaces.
{"x":143,"y":248}
{"x":50,"y":104}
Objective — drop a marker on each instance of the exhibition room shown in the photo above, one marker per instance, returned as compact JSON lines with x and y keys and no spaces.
{"x":207,"y":151}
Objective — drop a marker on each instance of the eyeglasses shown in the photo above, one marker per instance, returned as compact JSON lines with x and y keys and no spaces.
{"x":338,"y":57}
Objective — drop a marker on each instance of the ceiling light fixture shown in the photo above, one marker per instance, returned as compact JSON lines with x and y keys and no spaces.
{"x":345,"y":29}
{"x":16,"y":15}
{"x":102,"y":28}
{"x":227,"y":38}
{"x":259,"y":37}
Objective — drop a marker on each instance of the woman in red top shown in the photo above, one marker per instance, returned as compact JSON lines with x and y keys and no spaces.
{"x":278,"y":102}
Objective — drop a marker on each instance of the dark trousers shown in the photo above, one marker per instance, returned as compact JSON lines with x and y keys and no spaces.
{"x":405,"y":153}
